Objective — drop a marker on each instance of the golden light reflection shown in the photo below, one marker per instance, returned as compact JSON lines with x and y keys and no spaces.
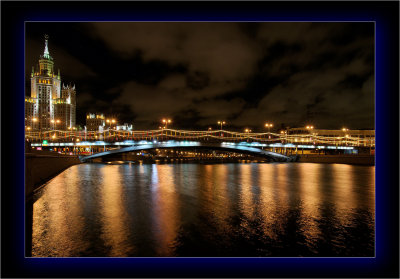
{"x":369,"y":184}
{"x":58,"y":218}
{"x":269,"y":203}
{"x":115,"y":231}
{"x":165,"y":210}
{"x":207,"y":191}
{"x":344,"y":192}
{"x":105,"y":210}
{"x":284,"y":193}
{"x":311,"y":199}
{"x":246,"y":196}
{"x":218,"y":205}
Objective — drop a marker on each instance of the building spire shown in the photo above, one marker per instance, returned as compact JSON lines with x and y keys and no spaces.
{"x":46,"y":53}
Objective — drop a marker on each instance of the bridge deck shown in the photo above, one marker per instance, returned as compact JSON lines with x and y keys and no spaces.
{"x":185,"y":145}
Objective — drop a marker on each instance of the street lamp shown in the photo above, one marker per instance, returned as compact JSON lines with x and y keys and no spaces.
{"x":344,"y":134}
{"x":221,"y":123}
{"x":110,"y":122}
{"x":75,"y":147}
{"x":247,"y":131}
{"x":166,"y":122}
{"x":310,"y":128}
{"x":269,"y":126}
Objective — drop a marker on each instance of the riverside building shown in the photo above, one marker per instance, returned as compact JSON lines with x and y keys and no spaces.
{"x":94,"y":121}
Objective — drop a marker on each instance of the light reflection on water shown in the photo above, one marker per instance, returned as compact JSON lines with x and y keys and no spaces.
{"x":206,"y":210}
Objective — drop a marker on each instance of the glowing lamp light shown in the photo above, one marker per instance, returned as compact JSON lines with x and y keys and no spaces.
{"x":268,"y":125}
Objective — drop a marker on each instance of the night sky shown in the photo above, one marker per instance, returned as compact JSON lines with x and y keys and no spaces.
{"x":290,"y":74}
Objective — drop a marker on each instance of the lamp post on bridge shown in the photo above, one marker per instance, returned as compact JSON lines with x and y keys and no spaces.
{"x":345,"y":130}
{"x":221,"y":123}
{"x":55,"y":122}
{"x":310,"y":128}
{"x":247,"y":131}
{"x":284,"y":140}
{"x":166,"y":122}
{"x":269,"y":126}
{"x":75,"y":147}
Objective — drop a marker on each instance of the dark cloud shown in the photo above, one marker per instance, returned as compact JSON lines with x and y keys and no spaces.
{"x":197,"y":80}
{"x":198,"y":73}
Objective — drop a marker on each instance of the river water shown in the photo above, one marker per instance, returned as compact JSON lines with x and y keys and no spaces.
{"x":190,"y":210}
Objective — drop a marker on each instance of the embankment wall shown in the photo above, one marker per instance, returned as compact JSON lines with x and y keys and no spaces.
{"x":40,"y":167}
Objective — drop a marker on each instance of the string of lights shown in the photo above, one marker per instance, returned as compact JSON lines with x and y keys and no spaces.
{"x":165,"y":134}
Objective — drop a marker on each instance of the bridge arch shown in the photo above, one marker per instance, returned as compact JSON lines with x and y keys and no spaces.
{"x":230,"y":147}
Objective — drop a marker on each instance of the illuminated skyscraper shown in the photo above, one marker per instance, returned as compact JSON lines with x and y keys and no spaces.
{"x":49,"y":107}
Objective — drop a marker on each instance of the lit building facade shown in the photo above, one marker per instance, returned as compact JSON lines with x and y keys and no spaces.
{"x":125,"y":127}
{"x":94,"y":121}
{"x":49,"y":107}
{"x":99,"y":122}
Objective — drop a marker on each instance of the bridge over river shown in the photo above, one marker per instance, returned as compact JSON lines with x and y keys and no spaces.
{"x":255,"y":150}
{"x":274,"y":146}
{"x":284,"y":137}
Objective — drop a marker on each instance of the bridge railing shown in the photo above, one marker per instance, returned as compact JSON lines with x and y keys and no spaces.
{"x":217,"y":136}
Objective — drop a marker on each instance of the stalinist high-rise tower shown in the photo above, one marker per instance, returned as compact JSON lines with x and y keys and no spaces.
{"x":50,"y":107}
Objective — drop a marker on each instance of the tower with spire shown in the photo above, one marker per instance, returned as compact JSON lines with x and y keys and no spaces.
{"x":48,"y":108}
